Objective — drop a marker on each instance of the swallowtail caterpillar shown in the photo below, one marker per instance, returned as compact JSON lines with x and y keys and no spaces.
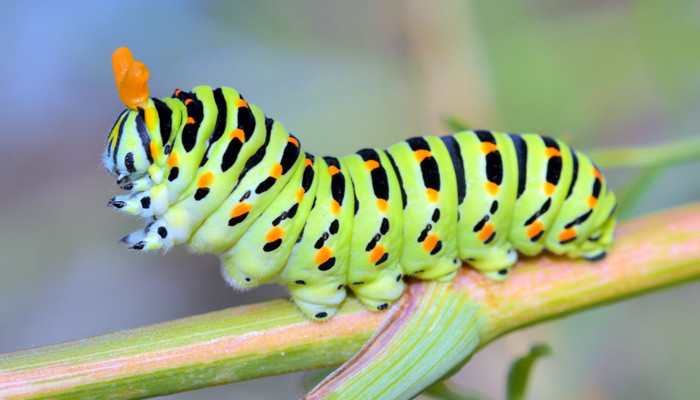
{"x":209,"y":169}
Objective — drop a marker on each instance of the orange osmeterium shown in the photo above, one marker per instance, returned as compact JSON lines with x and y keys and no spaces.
{"x":131,"y":78}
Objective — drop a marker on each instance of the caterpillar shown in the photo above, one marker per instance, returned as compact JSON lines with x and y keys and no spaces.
{"x":208,"y":169}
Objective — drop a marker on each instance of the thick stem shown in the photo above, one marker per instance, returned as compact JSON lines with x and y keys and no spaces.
{"x":272,"y":338}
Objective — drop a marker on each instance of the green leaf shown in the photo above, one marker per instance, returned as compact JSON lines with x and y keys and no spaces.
{"x":520,"y":371}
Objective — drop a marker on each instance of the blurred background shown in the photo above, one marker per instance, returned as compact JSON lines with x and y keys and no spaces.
{"x":340,"y":76}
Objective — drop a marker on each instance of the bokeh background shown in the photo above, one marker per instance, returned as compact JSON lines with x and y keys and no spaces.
{"x":340,"y":76}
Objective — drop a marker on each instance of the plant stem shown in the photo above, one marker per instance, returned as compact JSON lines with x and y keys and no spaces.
{"x":272,"y":338}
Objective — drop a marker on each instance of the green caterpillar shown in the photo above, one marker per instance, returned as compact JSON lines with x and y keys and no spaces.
{"x":208,"y":169}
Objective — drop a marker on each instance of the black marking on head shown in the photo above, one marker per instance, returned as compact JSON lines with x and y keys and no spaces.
{"x":327,"y":265}
{"x":384,"y":228}
{"x":398,"y":177}
{"x":333,"y":228}
{"x":145,"y":202}
{"x":270,"y":246}
{"x":436,"y":215}
{"x":382,"y":306}
{"x":162,"y":232}
{"x":121,"y":119}
{"x":173,"y":174}
{"x":458,"y":165}
{"x":165,"y":117}
{"x":201,"y":193}
{"x":384,"y":257}
{"x":541,"y":211}
{"x":129,"y":162}
{"x":521,"y":154}
{"x":144,"y":136}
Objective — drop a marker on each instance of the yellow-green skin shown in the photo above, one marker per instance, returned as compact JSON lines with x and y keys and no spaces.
{"x":208,"y":169}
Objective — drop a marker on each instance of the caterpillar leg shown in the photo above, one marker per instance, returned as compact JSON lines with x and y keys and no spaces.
{"x":382,"y":290}
{"x":318,"y":302}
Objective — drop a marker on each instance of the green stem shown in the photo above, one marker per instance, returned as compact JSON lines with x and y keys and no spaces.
{"x":272,"y":338}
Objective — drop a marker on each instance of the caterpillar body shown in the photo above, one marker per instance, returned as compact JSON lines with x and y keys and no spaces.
{"x":208,"y":169}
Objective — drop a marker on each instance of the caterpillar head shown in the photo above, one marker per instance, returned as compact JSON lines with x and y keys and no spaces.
{"x":129,"y":147}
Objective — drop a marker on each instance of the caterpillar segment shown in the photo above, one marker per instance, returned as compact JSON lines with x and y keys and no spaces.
{"x":208,"y":169}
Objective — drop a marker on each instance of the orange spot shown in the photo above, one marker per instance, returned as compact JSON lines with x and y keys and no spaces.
{"x":491,"y":188}
{"x":237,"y":134}
{"x":485,"y":232}
{"x":206,"y":179}
{"x":430,"y":242}
{"x":376,"y":253}
{"x":276,"y":171}
{"x":241,"y":103}
{"x":274,"y":234}
{"x":177,"y":92}
{"x":154,"y":149}
{"x":188,"y":101}
{"x":300,"y":194}
{"x":335,"y":207}
{"x":382,"y":205}
{"x":421,"y":155}
{"x":308,"y":162}
{"x":190,"y":120}
{"x":550,"y":152}
{"x":173,"y":159}
{"x":549,"y":188}
{"x":432,"y":195}
{"x":567,"y":234}
{"x":240,"y":209}
{"x":293,"y":141}
{"x":592,"y":201}
{"x":535,"y":229}
{"x":596,"y":173}
{"x":487,"y":147}
{"x":371,"y":164}
{"x":333,"y":170}
{"x":323,"y":255}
